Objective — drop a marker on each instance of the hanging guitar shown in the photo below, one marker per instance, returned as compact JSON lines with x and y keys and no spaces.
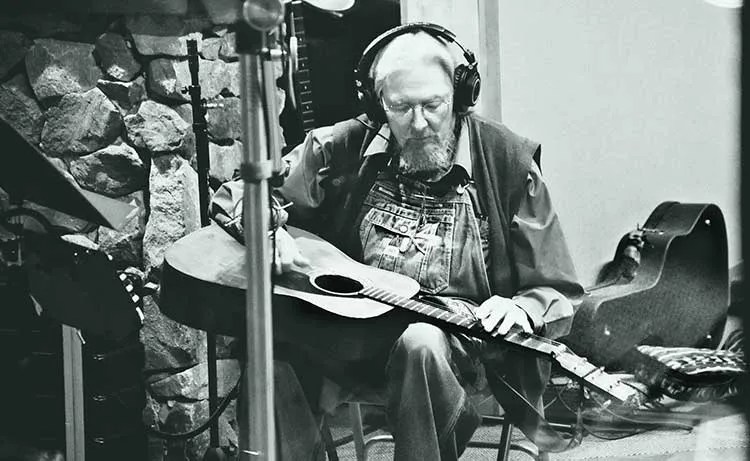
{"x":299,"y":116}
{"x":203,"y":285}
{"x":298,"y":84}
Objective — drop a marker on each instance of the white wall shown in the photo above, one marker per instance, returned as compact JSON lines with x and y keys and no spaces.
{"x":475,"y":26}
{"x":635,"y":102}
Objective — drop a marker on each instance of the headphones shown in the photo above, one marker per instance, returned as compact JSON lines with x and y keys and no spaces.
{"x":466,"y":80}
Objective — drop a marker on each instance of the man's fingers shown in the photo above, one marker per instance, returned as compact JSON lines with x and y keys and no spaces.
{"x":287,"y":254}
{"x":515,"y":317}
{"x":301,"y":260}
{"x":277,"y":263}
{"x":508,"y":321}
{"x":491,"y":320}
{"x":498,"y":315}
{"x":527,"y":326}
{"x":488,"y":306}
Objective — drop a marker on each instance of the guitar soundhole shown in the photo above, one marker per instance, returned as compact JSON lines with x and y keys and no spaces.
{"x":337,"y":284}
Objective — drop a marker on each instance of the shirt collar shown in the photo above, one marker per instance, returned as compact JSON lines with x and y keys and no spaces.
{"x":379,"y":145}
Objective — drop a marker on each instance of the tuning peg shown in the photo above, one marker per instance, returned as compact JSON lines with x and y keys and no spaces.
{"x":150,"y":288}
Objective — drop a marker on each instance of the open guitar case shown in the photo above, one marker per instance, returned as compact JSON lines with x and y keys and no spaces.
{"x":668,"y":285}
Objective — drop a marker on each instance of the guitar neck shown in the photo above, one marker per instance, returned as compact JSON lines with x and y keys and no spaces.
{"x":560,"y":353}
{"x":515,"y":336}
{"x":302,"y":78}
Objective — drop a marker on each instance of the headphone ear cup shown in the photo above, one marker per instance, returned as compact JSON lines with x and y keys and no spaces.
{"x":370,"y":105}
{"x":466,"y":85}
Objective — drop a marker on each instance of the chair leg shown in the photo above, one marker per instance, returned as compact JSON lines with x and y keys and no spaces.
{"x":355,"y":415}
{"x":504,"y":446}
{"x":325,"y":433}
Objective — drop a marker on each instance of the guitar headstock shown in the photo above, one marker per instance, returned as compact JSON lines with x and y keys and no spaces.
{"x":575,"y":365}
{"x":595,"y":377}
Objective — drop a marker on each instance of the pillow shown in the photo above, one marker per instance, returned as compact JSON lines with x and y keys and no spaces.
{"x":692,"y":374}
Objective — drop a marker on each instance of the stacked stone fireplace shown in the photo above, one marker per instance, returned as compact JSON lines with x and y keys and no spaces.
{"x":103,"y":97}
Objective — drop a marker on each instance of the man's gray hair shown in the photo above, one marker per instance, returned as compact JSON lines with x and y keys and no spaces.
{"x":406,"y":50}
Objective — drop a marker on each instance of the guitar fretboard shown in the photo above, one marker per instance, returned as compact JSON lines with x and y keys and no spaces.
{"x":302,"y":76}
{"x":515,"y":336}
{"x":563,"y":356}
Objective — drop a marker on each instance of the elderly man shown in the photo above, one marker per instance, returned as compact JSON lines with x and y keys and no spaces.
{"x":423,"y":187}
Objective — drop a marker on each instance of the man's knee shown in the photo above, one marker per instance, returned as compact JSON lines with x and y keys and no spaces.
{"x":421,"y":341}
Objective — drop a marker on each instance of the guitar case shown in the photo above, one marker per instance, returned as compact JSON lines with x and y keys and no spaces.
{"x":668,"y":285}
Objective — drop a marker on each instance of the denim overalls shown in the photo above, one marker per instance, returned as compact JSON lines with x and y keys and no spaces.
{"x":437,"y":240}
{"x":440,"y":241}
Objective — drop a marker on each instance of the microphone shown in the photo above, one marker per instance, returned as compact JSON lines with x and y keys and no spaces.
{"x":263,"y":15}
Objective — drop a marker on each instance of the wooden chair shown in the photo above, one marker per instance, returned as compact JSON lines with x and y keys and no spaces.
{"x":363,"y":442}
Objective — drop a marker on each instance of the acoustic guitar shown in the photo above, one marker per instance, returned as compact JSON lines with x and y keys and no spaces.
{"x":299,"y":79}
{"x":210,"y":261}
{"x":301,"y":84}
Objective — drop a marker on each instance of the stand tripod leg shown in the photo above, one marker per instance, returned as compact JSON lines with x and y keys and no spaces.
{"x":75,"y":442}
{"x":257,"y":432}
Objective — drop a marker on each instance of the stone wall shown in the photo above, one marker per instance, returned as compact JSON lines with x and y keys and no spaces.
{"x":104,"y":97}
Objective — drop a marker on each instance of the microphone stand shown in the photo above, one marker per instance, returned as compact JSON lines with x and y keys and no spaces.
{"x":257,"y":51}
{"x":214,"y":452}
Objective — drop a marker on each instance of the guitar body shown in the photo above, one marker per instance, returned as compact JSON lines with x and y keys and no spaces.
{"x":679,"y":293}
{"x":204,"y":280}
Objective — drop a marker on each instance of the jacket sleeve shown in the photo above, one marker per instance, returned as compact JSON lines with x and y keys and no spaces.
{"x":546,"y":274}
{"x":307,"y":162}
{"x":300,"y":194}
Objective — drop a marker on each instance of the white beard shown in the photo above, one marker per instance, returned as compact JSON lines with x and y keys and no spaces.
{"x":427,"y":159}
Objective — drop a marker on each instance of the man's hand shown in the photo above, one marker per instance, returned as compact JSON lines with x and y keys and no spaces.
{"x":287,"y":253}
{"x":498,"y":314}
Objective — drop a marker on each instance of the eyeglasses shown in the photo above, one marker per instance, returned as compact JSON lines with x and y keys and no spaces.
{"x":432,"y":108}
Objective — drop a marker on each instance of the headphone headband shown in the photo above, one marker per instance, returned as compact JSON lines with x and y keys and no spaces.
{"x":466,"y":80}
